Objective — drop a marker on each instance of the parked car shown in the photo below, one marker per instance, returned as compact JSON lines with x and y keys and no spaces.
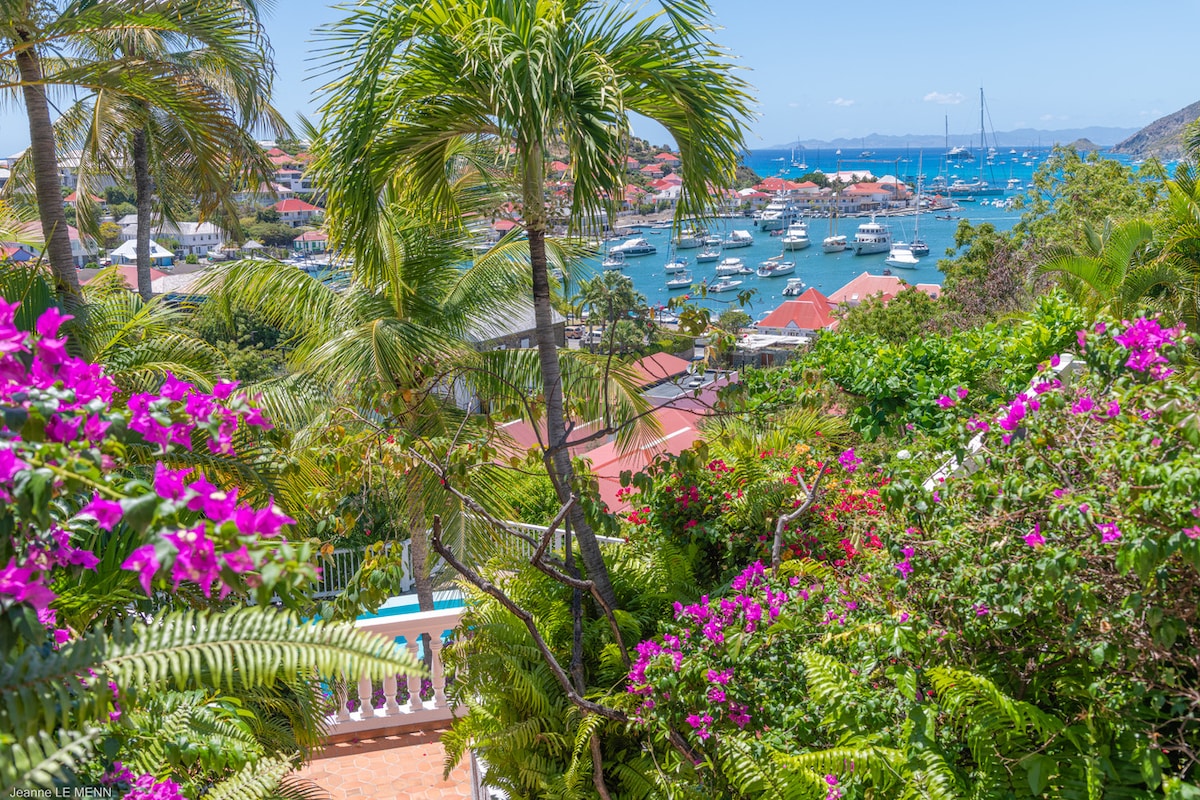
{"x":575,"y":331}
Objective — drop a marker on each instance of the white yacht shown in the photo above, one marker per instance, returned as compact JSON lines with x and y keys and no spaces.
{"x":723,"y":285}
{"x":691,"y":238}
{"x":708,"y":254}
{"x":795,"y":287}
{"x":613,"y":260}
{"x":637,"y":246}
{"x":796,"y":237}
{"x":738,"y":239}
{"x":872,"y":237}
{"x":774,"y":267}
{"x":730,"y":266}
{"x":901,"y":256}
{"x":833,"y":244}
{"x":681,"y":280}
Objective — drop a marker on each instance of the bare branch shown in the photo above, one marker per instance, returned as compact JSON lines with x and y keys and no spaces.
{"x":785,"y":519}
{"x":489,"y":588}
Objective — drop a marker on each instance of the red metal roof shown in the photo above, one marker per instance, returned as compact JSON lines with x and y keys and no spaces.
{"x":294,"y":204}
{"x":659,"y":367}
{"x":810,"y":311}
{"x":666,"y":157}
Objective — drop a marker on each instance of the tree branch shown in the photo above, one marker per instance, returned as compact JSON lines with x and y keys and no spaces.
{"x":489,"y":588}
{"x":785,"y":519}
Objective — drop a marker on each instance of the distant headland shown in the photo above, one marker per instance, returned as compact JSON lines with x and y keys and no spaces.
{"x":1020,"y":138}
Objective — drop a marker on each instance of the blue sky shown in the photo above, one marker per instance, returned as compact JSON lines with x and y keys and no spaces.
{"x":829,"y":70}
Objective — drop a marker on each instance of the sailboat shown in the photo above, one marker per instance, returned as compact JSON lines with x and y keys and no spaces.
{"x":833,"y":243}
{"x":918,"y":246}
{"x":799,"y":164}
{"x":979,"y":187}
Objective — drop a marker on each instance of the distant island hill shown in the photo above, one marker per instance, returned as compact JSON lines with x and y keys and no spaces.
{"x":1162,"y":139}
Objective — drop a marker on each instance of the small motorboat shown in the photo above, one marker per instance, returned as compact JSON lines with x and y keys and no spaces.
{"x":795,"y":287}
{"x":901,"y":256}
{"x":723,"y":285}
{"x":708,"y":254}
{"x":774,"y":267}
{"x":681,"y":280}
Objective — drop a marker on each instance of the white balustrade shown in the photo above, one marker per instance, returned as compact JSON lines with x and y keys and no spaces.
{"x":372,"y":714}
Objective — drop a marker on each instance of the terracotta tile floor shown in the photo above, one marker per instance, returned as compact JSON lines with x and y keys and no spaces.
{"x":401,"y":767}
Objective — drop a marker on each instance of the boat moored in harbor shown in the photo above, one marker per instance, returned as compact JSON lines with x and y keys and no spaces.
{"x":872,"y":237}
{"x":738,"y":239}
{"x":795,"y":287}
{"x":637,"y":246}
{"x":723,"y":285}
{"x":796,"y":237}
{"x":613,"y":260}
{"x":901,"y":256}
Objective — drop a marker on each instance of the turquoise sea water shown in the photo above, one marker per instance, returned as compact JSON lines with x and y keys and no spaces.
{"x":829,"y":272}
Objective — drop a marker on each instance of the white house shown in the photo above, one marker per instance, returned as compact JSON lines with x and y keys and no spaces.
{"x":296,"y":212}
{"x":195,"y":238}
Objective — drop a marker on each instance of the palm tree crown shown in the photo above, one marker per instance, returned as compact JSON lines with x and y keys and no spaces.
{"x":527,"y":77}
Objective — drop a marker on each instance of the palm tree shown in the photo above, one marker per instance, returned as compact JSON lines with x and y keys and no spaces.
{"x":527,"y":77}
{"x":190,"y":146}
{"x":198,"y":93}
{"x":1114,"y":269}
{"x":1178,"y":235}
{"x":383,"y":344}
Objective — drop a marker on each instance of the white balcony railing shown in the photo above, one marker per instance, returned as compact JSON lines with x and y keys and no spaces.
{"x":339,"y":567}
{"x":400,"y":701}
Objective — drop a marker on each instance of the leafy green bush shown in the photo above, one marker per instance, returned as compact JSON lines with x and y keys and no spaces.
{"x":1030,"y":626}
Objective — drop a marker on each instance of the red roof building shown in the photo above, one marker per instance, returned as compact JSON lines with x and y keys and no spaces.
{"x":293,"y":204}
{"x":808,"y":313}
{"x":667,"y":158}
{"x":558,"y":166}
{"x":658,"y":368}
{"x":295,"y":212}
{"x":128,"y":274}
{"x":651,"y":169}
{"x":868,"y":285}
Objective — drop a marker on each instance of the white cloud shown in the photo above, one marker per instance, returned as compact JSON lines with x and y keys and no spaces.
{"x":841,"y":101}
{"x":793,"y":105}
{"x":943,"y":98}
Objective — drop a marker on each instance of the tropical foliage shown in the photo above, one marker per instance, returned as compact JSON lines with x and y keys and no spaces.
{"x":1026,"y":628}
{"x":123,"y":640}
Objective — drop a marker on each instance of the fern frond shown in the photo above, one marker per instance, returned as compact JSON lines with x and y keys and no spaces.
{"x":257,"y":781}
{"x":748,"y":775}
{"x":44,"y":761}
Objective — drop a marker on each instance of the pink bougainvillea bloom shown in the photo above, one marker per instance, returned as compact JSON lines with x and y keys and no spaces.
{"x":222,"y":390}
{"x":1083,"y":405}
{"x":1034,"y":538}
{"x":945,"y":401}
{"x":1193,"y":532}
{"x":981,"y":610}
{"x":1109,"y":532}
{"x":962,"y":392}
{"x":106,"y":512}
{"x":1100,"y":327}
{"x":143,"y":561}
{"x":19,"y":584}
{"x":1114,"y":409}
{"x":849,"y":460}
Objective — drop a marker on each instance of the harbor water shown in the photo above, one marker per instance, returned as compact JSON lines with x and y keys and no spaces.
{"x":827,"y":272}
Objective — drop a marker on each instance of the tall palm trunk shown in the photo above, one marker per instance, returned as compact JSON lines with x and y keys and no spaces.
{"x":535,"y":224}
{"x":145,"y":207}
{"x":45,"y":172}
